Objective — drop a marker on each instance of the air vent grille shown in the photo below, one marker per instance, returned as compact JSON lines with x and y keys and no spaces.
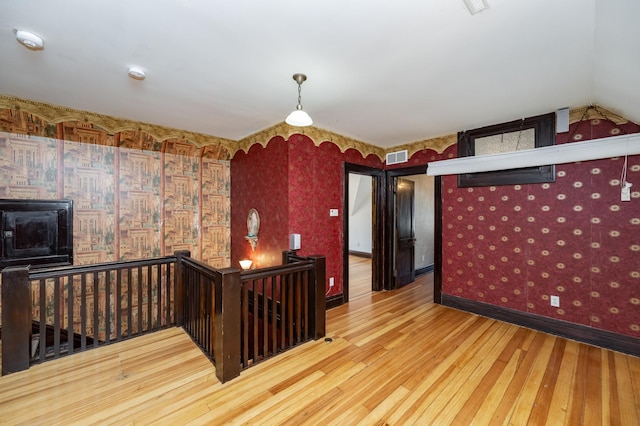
{"x":397,"y":157}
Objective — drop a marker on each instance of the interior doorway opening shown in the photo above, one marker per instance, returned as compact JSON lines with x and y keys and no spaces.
{"x":414,"y":227}
{"x":382,"y":264}
{"x":363,"y":259}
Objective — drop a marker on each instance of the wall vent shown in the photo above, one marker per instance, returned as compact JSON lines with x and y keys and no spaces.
{"x":397,"y":157}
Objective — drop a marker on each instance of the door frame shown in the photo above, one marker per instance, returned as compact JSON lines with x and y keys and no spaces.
{"x":377,"y":249}
{"x":437,"y":228}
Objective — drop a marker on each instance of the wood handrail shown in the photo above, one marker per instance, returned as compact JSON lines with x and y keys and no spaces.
{"x":63,"y":271}
{"x":201,"y":267}
{"x":256,"y":274}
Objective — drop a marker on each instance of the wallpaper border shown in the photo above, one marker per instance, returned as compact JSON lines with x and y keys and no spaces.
{"x":57,"y":114}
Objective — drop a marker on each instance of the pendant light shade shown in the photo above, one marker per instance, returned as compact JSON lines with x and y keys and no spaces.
{"x":298,"y":117}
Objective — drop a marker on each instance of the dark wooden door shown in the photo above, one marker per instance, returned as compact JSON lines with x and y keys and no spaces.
{"x":405,"y":233}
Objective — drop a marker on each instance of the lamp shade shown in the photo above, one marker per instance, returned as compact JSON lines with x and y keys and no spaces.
{"x":299,"y":118}
{"x":245,"y":264}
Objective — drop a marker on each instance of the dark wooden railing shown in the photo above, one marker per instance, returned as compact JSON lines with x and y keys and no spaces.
{"x":282,"y":307}
{"x":209,"y":312}
{"x":240,"y":318}
{"x":236,"y":318}
{"x":51,"y":312}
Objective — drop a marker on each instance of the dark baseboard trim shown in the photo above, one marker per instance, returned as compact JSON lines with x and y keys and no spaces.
{"x":581,"y":333}
{"x":425,"y":270}
{"x":335,"y":301}
{"x":360,"y":254}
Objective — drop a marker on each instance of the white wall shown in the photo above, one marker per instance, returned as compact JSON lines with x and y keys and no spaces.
{"x":424,"y":219}
{"x":360,"y":213}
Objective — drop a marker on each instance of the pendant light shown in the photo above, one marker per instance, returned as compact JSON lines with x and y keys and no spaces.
{"x":299,"y":118}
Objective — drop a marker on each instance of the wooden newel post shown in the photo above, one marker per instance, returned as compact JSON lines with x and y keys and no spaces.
{"x":317,"y":296}
{"x":16,"y":319}
{"x":180,"y":287}
{"x":285,"y":256}
{"x":227,"y":329}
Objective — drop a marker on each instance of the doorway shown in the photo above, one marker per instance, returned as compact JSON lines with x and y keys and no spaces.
{"x":382,"y":261}
{"x":426,"y":242}
{"x":363,"y":207}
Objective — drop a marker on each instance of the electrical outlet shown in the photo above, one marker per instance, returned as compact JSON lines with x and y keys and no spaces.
{"x":330,"y":282}
{"x":555,"y":301}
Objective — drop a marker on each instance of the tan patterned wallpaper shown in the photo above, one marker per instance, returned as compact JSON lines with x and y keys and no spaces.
{"x":134,"y":196}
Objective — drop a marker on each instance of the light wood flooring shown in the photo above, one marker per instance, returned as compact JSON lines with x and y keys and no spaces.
{"x":396,"y":358}
{"x":359,"y":276}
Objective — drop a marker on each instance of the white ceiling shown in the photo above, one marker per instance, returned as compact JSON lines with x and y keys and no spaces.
{"x":383,"y":72}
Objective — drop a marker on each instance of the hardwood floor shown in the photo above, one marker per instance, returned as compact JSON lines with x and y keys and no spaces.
{"x":395,"y":358}
{"x":359,"y":276}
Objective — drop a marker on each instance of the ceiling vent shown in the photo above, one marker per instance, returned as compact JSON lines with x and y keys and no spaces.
{"x":397,"y":157}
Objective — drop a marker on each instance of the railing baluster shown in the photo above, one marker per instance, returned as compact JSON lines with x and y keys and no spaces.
{"x":140,"y":308}
{"x":168,"y":318}
{"x":208,"y":320}
{"x":299,"y":317}
{"x":70,"y":330}
{"x":56,"y":317}
{"x":118,"y":306}
{"x":304,"y":281}
{"x":43,"y":318}
{"x":129,"y":302}
{"x":245,"y":324}
{"x":96,"y":310}
{"x":274,"y":316}
{"x":283,"y":311}
{"x":83,"y":312}
{"x":265,"y":318}
{"x":149,"y":299}
{"x":159,"y":299}
{"x":199,"y":307}
{"x":254,"y":320}
{"x":290,"y":325}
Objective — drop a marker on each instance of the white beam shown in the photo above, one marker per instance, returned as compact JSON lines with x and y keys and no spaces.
{"x":596,"y":149}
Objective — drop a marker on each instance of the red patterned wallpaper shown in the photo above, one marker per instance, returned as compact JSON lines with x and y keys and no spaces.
{"x":310,"y":185}
{"x":316,"y":182}
{"x":259,"y":180}
{"x":515,"y":246}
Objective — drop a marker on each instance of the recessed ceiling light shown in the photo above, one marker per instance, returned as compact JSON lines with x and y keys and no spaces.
{"x":476,"y":6}
{"x":29,"y":40}
{"x":137,"y":73}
